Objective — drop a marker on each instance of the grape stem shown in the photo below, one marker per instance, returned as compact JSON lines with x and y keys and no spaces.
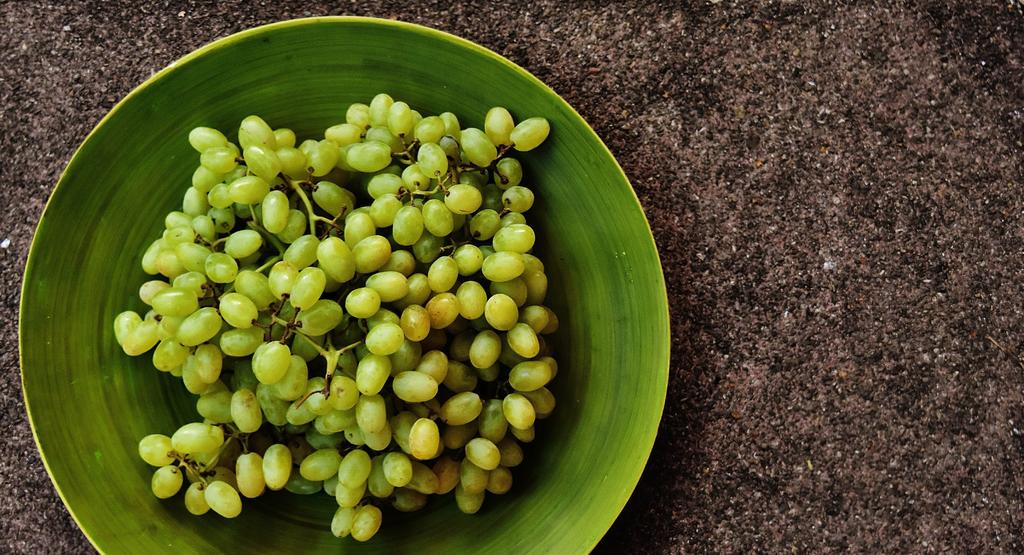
{"x":273,"y":260}
{"x":268,"y":236}
{"x":309,"y":206}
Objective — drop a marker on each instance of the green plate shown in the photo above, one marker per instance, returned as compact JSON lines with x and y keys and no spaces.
{"x":89,"y":403}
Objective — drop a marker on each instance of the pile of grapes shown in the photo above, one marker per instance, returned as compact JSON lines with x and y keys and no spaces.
{"x":379,"y":352}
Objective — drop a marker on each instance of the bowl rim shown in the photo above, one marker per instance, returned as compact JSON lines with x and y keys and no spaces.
{"x":649,"y":437}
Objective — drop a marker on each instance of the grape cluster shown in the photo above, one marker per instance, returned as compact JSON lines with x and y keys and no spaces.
{"x":359,"y":315}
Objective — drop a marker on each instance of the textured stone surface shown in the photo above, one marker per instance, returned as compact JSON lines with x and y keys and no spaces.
{"x":837,"y":195}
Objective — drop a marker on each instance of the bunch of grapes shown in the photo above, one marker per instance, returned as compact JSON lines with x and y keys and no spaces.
{"x":358,"y":315}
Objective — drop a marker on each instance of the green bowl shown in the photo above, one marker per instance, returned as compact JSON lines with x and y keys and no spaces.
{"x":89,"y":404}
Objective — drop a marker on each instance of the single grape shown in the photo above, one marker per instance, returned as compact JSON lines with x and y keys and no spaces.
{"x":369,"y":157}
{"x":254,"y":131}
{"x":320,"y":465}
{"x":464,"y":199}
{"x":478,"y":147}
{"x":371,"y":253}
{"x":166,"y":481}
{"x":195,"y":499}
{"x":529,"y":134}
{"x":498,"y":125}
{"x":372,"y":373}
{"x":277,"y":466}
{"x":197,"y":437}
{"x":462,"y":408}
{"x":223,"y":499}
{"x":156,"y":450}
{"x":365,"y":522}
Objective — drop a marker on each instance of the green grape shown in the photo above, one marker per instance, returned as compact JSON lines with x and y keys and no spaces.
{"x":221,"y":268}
{"x":168,"y":327}
{"x":437,"y":218}
{"x":358,"y":114}
{"x":301,"y":486}
{"x":408,"y":226}
{"x":384,"y":208}
{"x":428,"y":248}
{"x":271,"y":362}
{"x":149,"y":257}
{"x":371,"y":413}
{"x":493,"y":425}
{"x":529,"y":134}
{"x":169,"y":354}
{"x":223,"y":499}
{"x":204,"y":227}
{"x":176,"y":219}
{"x":365,"y":523}
{"x":215,"y":406}
{"x":379,"y":109}
{"x":195,"y":499}
{"x":241,"y":342}
{"x":344,"y":134}
{"x":320,"y":465}
{"x":322,"y":317}
{"x":389,"y":285}
{"x":241,"y":244}
{"x":308,"y":287}
{"x":248,"y":190}
{"x":295,"y":228}
{"x":384,"y":135}
{"x":512,"y":218}
{"x":483,"y":453}
{"x":191,"y":257}
{"x":274,"y":209}
{"x":384,"y":339}
{"x":358,"y":226}
{"x":218,"y":159}
{"x":423,"y":479}
{"x":463,"y":199}
{"x":419,"y":291}
{"x":529,"y":375}
{"x":181,"y":234}
{"x":397,"y":469}
{"x":349,"y":497}
{"x":517,"y":199}
{"x":511,"y":452}
{"x":168,"y":265}
{"x":372,"y":373}
{"x":468,"y":259}
{"x":543,"y":401}
{"x":457,"y":436}
{"x":341,"y":523}
{"x":451,"y":148}
{"x":525,"y":435}
{"x":503,"y":266}
{"x":242,"y":375}
{"x":406,"y":357}
{"x":501,"y":312}
{"x":371,"y":253}
{"x":321,"y":158}
{"x":472,"y":478}
{"x":534,"y":316}
{"x":432,"y":160}
{"x":434,"y":364}
{"x":383,"y":316}
{"x":463,"y":407}
{"x":362,"y":303}
{"x":336,"y":259}
{"x":237,"y":310}
{"x":220,"y":473}
{"x":472,"y":300}
{"x":354,"y":436}
{"x":443,"y":309}
{"x":335,"y":421}
{"x":302,"y":252}
{"x":498,"y":125}
{"x":414,"y":178}
{"x":447,"y":472}
{"x":245,"y":411}
{"x":193,"y":383}
{"x":284,"y":137}
{"x":460,"y":377}
{"x":414,"y":387}
{"x":333,"y":199}
{"x":195,"y":203}
{"x":175,"y":301}
{"x":500,"y":481}
{"x":514,"y":238}
{"x":451,"y":123}
{"x":282,"y":278}
{"x":262,"y":161}
{"x":199,"y":327}
{"x":484,"y":224}
{"x":377,"y":483}
{"x":254,"y":131}
{"x":524,"y":342}
{"x":459,"y":346}
{"x":508,"y":172}
{"x":443,"y":274}
{"x":255,"y":286}
{"x":485,"y":349}
{"x":519,"y":411}
{"x":202,"y":138}
{"x":344,"y":393}
{"x":156,"y":449}
{"x":429,"y":130}
{"x":354,"y":469}
{"x":166,"y":481}
{"x":514,"y":288}
{"x":384,"y":184}
{"x":197,"y":437}
{"x":207,"y":361}
{"x":399,"y":118}
{"x":369,"y":157}
{"x":249,"y":475}
{"x":277,"y":466}
{"x":293,"y":162}
{"x":223,"y":218}
{"x":477,"y":147}
{"x":401,"y":426}
{"x":415,"y":322}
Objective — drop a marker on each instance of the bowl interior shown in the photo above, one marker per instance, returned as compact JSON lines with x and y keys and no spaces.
{"x":90,"y":404}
